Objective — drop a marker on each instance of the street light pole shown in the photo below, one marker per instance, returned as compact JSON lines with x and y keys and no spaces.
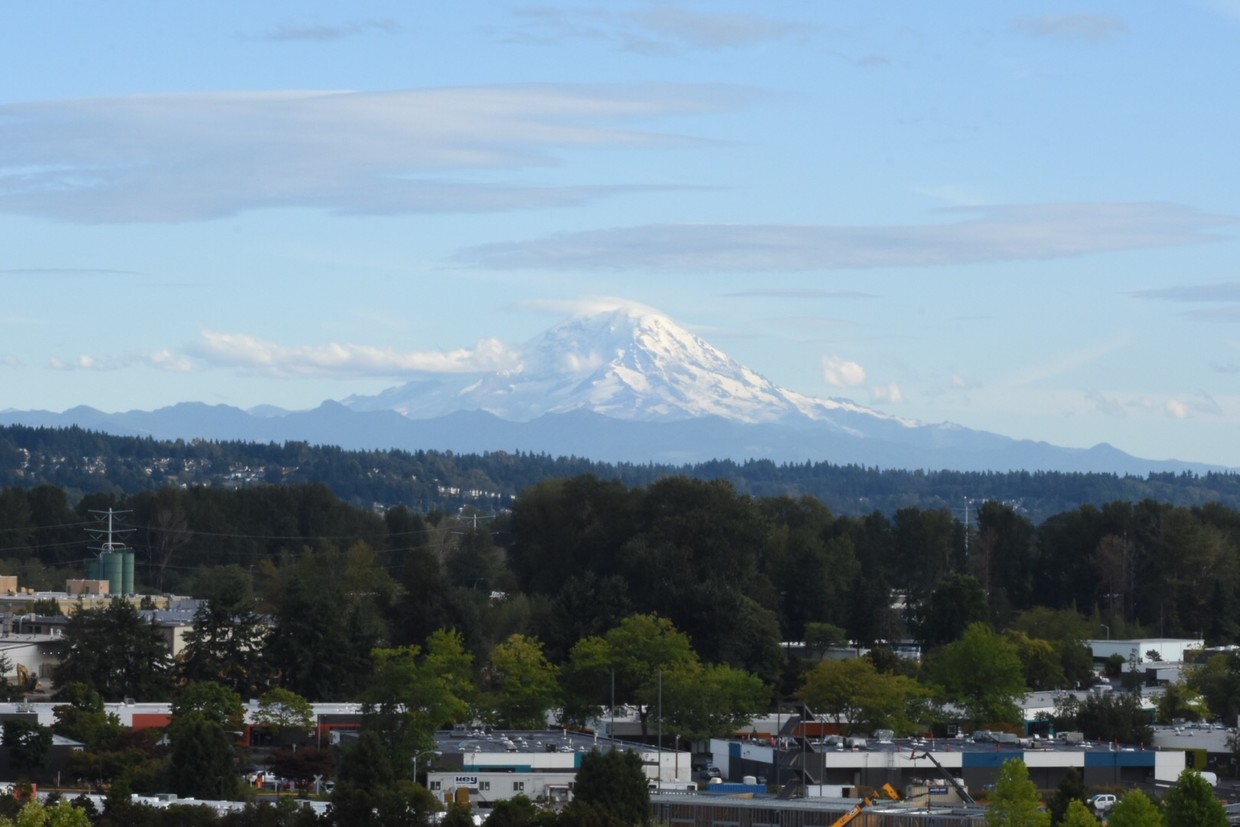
{"x":419,"y":755}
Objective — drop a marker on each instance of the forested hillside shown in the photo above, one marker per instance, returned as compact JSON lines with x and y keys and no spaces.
{"x":83,"y":462}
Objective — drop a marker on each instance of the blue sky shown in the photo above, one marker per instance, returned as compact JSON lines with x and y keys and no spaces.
{"x":1021,"y":217}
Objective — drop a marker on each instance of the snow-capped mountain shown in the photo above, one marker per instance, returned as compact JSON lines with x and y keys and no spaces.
{"x":628,"y":363}
{"x":626,"y":385}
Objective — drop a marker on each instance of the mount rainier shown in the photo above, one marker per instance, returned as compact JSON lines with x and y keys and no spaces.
{"x":627,"y":364}
{"x":625,"y":385}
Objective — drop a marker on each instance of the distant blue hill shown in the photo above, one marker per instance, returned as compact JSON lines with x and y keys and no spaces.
{"x":591,"y":435}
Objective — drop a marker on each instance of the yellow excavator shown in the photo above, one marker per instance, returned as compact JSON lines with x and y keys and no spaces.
{"x":866,"y":802}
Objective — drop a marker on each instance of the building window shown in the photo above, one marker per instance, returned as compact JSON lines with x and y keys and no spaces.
{"x":434,"y":785}
{"x":518,"y":786}
{"x":484,"y":785}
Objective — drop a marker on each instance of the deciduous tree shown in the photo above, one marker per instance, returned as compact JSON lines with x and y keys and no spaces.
{"x":525,"y":684}
{"x":983,"y":673}
{"x":854,"y":693}
{"x":1191,"y":803}
{"x":1015,"y":801}
{"x":1135,"y":809}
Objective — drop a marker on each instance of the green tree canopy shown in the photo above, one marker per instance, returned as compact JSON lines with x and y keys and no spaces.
{"x":116,"y":652}
{"x":216,"y":702}
{"x":630,"y":657}
{"x":982,"y":673}
{"x":1071,"y":788}
{"x":1078,"y":815}
{"x":855,"y":694}
{"x":411,"y":696}
{"x":1015,"y":802}
{"x":283,"y":709}
{"x":526,"y":685}
{"x":226,"y":643}
{"x":711,"y":700}
{"x":1135,"y":809}
{"x":1191,"y":803}
{"x":613,"y":782}
{"x":28,"y":743}
{"x":203,"y":762}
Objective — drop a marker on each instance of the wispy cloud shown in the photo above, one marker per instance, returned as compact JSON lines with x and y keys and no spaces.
{"x":1093,"y":27}
{"x":164,"y":158}
{"x":655,"y":30}
{"x":1062,"y":363}
{"x":995,"y":233}
{"x":798,"y":293}
{"x":317,"y":32}
{"x":52,"y":272}
{"x":1120,"y":406}
{"x":1227,"y":291}
{"x":713,"y":30}
{"x":255,"y":355}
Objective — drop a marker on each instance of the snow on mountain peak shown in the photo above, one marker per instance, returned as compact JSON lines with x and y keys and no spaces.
{"x":627,"y":362}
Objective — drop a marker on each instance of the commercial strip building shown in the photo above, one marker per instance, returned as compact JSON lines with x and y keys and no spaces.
{"x":483,"y":766}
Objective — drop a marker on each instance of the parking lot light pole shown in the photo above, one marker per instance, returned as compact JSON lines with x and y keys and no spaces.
{"x":419,"y":755}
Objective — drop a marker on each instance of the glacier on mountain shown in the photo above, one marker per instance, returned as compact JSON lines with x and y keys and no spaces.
{"x":627,"y":363}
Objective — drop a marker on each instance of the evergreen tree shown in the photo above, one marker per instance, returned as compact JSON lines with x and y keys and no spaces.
{"x":614,"y":783}
{"x":226,"y":643}
{"x":116,"y":652}
{"x":203,"y":761}
{"x":1071,"y":788}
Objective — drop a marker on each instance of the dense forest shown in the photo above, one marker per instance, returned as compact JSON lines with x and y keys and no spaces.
{"x":738,"y":573}
{"x":83,"y":462}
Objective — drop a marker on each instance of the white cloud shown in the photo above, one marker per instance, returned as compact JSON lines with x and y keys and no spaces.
{"x":993,"y":233}
{"x":172,"y":362}
{"x":1177,"y":409}
{"x":890,"y":394}
{"x":82,"y":362}
{"x":240,"y":350}
{"x":841,"y":373}
{"x":163,"y":158}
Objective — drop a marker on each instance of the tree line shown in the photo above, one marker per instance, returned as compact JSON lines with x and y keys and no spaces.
{"x":85,"y":462}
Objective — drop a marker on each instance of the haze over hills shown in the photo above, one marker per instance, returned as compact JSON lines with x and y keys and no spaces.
{"x":625,"y":385}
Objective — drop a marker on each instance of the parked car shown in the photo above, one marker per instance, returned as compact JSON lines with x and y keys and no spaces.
{"x":1102,"y":802}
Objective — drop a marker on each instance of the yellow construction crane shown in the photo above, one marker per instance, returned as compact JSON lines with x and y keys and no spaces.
{"x":866,"y":802}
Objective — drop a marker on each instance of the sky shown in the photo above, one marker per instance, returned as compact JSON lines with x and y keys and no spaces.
{"x":1020,"y":217}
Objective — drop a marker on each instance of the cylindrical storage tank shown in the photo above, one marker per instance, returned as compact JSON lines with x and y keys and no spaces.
{"x":94,"y":570}
{"x":112,"y":572}
{"x":127,"y":572}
